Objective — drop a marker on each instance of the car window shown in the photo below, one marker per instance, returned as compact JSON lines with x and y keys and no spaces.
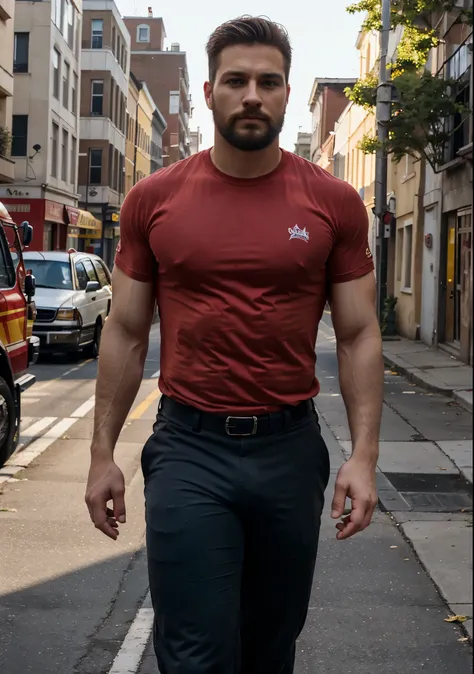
{"x":81,"y":276}
{"x":7,"y":270}
{"x":53,"y":274}
{"x":98,"y":266}
{"x":90,"y":271}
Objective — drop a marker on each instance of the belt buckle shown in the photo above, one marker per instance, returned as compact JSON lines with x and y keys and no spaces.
{"x":228,"y":426}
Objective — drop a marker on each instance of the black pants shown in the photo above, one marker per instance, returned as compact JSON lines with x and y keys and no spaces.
{"x":232,"y":536}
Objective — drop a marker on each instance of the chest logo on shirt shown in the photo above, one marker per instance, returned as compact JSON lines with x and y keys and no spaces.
{"x":297,"y":233}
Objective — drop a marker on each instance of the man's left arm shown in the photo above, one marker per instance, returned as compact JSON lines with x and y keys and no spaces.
{"x":359,"y":352}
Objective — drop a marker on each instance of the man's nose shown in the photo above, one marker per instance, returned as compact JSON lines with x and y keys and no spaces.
{"x":252,"y":97}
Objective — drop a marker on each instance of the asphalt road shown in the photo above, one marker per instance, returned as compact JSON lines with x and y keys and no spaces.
{"x":73,"y":602}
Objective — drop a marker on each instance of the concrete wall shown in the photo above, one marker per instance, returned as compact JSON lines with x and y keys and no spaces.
{"x":34,"y":97}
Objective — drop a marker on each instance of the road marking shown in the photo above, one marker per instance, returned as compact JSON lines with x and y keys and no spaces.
{"x":155,"y":375}
{"x":36,"y":428}
{"x":41,"y":387}
{"x":83,"y":409}
{"x":23,"y":457}
{"x":140,"y":409}
{"x":130,"y":654}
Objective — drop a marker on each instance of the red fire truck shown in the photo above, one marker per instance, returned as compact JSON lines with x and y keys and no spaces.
{"x":18,"y":347}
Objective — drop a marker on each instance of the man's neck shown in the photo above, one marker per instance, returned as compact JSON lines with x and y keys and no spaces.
{"x":239,"y":164}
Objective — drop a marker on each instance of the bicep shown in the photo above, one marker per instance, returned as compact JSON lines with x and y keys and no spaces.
{"x":353,"y":307}
{"x":133,"y":303}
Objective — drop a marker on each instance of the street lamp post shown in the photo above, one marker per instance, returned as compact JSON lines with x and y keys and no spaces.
{"x":383,"y":111}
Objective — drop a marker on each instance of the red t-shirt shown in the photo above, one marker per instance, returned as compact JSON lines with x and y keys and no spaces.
{"x":241,"y":269}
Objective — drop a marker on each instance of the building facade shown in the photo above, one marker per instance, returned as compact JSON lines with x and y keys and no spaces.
{"x":45,"y":123}
{"x":104,"y":97}
{"x":195,"y":141}
{"x":326,"y":103}
{"x":10,"y":48}
{"x":303,"y":145}
{"x":165,"y":72}
{"x":158,"y":128}
{"x":446,"y":260}
{"x":145,"y":111}
{"x":131,"y":132}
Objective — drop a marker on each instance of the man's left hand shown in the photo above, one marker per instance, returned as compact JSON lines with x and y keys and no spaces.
{"x":356,"y":481}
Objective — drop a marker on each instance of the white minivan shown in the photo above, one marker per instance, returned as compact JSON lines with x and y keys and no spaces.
{"x":73,"y":299}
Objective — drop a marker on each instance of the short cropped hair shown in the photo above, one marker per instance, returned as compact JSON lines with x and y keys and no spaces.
{"x":248,"y":30}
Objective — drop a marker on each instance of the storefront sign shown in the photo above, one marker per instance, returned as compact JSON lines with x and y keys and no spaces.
{"x":53,"y":212}
{"x":19,"y":208}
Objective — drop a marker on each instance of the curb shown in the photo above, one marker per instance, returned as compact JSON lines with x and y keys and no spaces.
{"x":415,"y":378}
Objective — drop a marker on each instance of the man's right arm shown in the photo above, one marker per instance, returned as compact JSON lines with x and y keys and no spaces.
{"x":124,"y":346}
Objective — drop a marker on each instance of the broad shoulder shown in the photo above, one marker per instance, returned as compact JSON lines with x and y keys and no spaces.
{"x":314,"y":176}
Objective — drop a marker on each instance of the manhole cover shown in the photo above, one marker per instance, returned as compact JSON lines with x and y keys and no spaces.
{"x":431,"y":492}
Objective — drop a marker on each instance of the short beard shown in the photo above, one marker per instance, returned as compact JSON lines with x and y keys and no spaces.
{"x":248,"y":142}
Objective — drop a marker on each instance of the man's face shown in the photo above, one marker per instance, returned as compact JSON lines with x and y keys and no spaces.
{"x":249,"y":96}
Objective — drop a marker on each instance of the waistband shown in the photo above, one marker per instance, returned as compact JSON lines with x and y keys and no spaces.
{"x":236,"y":426}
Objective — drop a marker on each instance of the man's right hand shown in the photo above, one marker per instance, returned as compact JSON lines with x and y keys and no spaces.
{"x":106,"y":483}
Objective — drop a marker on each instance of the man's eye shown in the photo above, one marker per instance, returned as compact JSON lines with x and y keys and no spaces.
{"x":270,"y":84}
{"x":235,"y":82}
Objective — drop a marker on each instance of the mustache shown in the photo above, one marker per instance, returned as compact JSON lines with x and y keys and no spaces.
{"x":251,"y":114}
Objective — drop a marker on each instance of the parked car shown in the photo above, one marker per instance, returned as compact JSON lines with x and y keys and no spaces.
{"x":18,"y":347}
{"x":73,"y":298}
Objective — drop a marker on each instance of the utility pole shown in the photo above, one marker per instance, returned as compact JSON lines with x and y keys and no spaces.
{"x":382,"y":116}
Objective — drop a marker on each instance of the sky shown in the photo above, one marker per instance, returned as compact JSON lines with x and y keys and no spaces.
{"x":322,"y":33}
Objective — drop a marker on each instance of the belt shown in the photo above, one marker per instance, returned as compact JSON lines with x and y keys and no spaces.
{"x":236,"y":426}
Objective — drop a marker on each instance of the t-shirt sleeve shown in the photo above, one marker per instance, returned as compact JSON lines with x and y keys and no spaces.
{"x":351,"y":257}
{"x":134,"y":255}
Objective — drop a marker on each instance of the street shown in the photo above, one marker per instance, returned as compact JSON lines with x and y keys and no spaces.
{"x":74,"y":602}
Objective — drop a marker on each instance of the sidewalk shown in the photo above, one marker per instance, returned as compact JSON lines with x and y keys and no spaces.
{"x":424,"y":475}
{"x":431,"y":368}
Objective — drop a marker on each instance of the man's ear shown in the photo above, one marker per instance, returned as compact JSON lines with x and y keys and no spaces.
{"x":208,"y":94}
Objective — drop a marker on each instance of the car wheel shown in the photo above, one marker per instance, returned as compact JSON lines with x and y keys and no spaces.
{"x":8,"y":422}
{"x":95,"y":346}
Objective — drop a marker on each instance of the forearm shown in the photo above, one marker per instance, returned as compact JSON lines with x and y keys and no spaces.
{"x":121,"y":363}
{"x":361,"y":380}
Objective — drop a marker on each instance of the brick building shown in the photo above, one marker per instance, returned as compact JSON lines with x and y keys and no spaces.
{"x":165,"y":72}
{"x":326,"y":103}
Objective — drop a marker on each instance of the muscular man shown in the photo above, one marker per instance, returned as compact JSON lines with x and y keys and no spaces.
{"x":241,"y":246}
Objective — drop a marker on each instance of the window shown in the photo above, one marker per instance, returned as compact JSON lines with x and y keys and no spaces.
{"x":56,"y":58}
{"x":72,"y":174}
{"x":143,"y":33}
{"x":71,"y":14}
{"x":7,"y":270}
{"x":407,"y":256}
{"x":113,"y":41}
{"x":81,"y":276}
{"x":174,"y":103}
{"x":97,"y":98}
{"x":97,"y":33}
{"x":101,"y":273}
{"x":64,"y":156}
{"x":20,"y":52}
{"x":19,"y":135}
{"x":74,"y":94}
{"x":90,"y":271}
{"x":64,"y":16}
{"x":51,"y":274}
{"x":66,"y":75}
{"x":95,"y":167}
{"x":57,"y":13}
{"x":54,"y":151}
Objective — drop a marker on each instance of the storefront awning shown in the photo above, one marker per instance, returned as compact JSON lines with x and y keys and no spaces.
{"x":83,"y":219}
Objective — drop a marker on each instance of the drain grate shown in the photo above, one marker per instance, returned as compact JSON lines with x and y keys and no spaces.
{"x":429,"y":492}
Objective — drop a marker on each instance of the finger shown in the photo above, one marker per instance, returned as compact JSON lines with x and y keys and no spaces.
{"x":369,"y":514}
{"x":118,"y":498}
{"x":113,"y":522}
{"x":108,"y":530}
{"x":352,"y":523}
{"x":339,"y":500}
